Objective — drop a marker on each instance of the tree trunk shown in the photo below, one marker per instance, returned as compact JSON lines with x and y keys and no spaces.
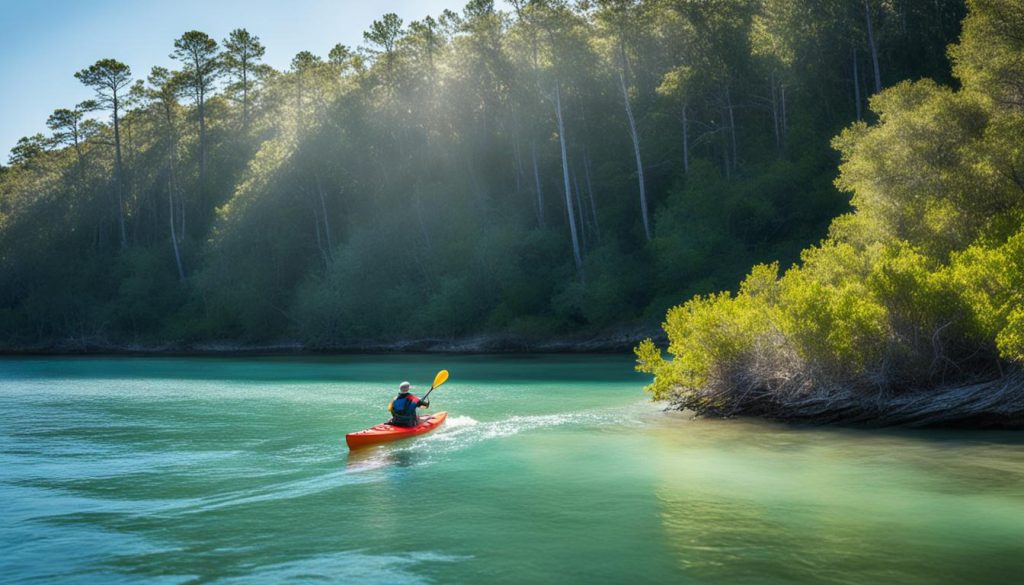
{"x":785,"y":123}
{"x":636,"y":154}
{"x":568,"y":193}
{"x":776,"y":113}
{"x":725,"y":145}
{"x":536,"y":185}
{"x":184,"y":214}
{"x":119,"y":172}
{"x":202,"y":150}
{"x":172,"y":187}
{"x":78,"y":156}
{"x":517,"y":156}
{"x":174,"y":236}
{"x":856,"y":84}
{"x":579,"y":208}
{"x":245,"y":96}
{"x":732,"y":125}
{"x":874,"y":50}
{"x":319,"y":240}
{"x":590,"y":194}
{"x":686,"y":139}
{"x":323,"y":209}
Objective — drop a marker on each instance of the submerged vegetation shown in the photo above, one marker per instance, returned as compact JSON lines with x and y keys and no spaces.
{"x":547,"y":169}
{"x":911,"y":311}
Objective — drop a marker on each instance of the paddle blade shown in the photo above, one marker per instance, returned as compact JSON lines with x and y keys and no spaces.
{"x":440,"y":378}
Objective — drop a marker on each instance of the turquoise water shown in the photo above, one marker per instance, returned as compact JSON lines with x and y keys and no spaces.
{"x":550,"y":469}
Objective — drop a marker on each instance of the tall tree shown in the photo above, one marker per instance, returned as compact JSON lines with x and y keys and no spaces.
{"x":108,"y":78}
{"x":201,"y":67}
{"x":873,"y":48}
{"x":163,"y":91}
{"x":529,"y":26}
{"x":678,"y":84}
{"x":427,"y":39}
{"x":616,"y":14}
{"x":384,"y":35}
{"x":242,"y":55}
{"x":576,"y":255}
{"x":304,"y":72}
{"x":566,"y":52}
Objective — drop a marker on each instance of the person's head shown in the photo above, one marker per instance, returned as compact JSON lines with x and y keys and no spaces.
{"x":403,"y":388}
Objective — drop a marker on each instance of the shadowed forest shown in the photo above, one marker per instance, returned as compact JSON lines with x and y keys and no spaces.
{"x":536,"y":169}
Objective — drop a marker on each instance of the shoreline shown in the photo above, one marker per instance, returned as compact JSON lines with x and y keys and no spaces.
{"x":995,"y":403}
{"x":608,"y":343}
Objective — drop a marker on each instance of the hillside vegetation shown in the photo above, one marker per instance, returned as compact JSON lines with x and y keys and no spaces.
{"x":549,"y":169}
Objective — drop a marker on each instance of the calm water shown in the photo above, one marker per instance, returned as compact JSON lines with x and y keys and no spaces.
{"x":235,"y":471}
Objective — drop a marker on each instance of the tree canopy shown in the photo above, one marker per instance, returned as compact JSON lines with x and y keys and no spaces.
{"x":557,"y":168}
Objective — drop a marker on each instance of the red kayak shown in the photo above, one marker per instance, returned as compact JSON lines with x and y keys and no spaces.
{"x":384,"y":433}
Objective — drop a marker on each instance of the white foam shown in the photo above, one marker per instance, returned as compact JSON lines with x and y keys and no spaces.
{"x":455,"y":422}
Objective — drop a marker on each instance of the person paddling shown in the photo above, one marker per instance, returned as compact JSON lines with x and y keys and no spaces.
{"x":403,"y":407}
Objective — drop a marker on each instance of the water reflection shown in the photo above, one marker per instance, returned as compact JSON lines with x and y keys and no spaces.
{"x":840,"y":506}
{"x":379,"y":457}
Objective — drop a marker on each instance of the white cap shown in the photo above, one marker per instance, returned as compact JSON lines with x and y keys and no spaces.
{"x":404,"y":387}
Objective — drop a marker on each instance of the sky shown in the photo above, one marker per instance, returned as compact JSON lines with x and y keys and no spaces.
{"x":44,"y":42}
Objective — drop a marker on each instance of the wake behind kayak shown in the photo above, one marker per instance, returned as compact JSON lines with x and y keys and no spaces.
{"x":385,"y":433}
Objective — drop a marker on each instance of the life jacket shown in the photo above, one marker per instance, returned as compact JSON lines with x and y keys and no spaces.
{"x":403,"y":410}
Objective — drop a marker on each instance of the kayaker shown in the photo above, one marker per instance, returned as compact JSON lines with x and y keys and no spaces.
{"x":403,"y":407}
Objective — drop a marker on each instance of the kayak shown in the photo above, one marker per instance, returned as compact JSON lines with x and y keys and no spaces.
{"x":384,"y":433}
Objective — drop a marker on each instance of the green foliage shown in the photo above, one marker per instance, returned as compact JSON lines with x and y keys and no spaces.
{"x":916,"y":174}
{"x":708,"y":332}
{"x":990,"y":56}
{"x":990,"y":281}
{"x":920,"y":286}
{"x":416,"y":186}
{"x":829,"y":313}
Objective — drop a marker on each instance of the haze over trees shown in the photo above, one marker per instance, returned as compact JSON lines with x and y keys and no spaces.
{"x":554,"y":168}
{"x":911,"y":310}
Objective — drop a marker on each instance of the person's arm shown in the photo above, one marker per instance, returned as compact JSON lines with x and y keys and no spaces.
{"x":422,"y":403}
{"x":391,"y":407}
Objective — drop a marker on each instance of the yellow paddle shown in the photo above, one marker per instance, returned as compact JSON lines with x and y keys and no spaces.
{"x":439,"y":379}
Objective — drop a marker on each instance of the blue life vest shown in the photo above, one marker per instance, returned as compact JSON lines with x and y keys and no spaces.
{"x":403,"y":411}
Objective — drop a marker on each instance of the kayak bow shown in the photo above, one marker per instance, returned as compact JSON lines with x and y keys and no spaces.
{"x":384,"y":433}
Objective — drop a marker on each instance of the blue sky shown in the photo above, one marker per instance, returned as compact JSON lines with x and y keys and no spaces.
{"x":44,"y":42}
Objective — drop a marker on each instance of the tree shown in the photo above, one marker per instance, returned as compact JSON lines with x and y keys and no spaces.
{"x":67,"y":128}
{"x":426,"y":38}
{"x":383,"y":35}
{"x":342,"y":58}
{"x":565,"y":42}
{"x":871,"y":45}
{"x":576,"y":255}
{"x":164,"y":88}
{"x":305,"y":69}
{"x":616,"y":14}
{"x":241,"y":60}
{"x":108,"y":78}
{"x":990,"y":58}
{"x":679,"y":85}
{"x":27,"y":149}
{"x":200,"y":61}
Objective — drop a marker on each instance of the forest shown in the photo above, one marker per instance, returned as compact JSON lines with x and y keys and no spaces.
{"x":545,"y":168}
{"x":911,"y":311}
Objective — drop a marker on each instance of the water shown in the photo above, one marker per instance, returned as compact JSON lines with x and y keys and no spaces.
{"x":549,"y":469}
